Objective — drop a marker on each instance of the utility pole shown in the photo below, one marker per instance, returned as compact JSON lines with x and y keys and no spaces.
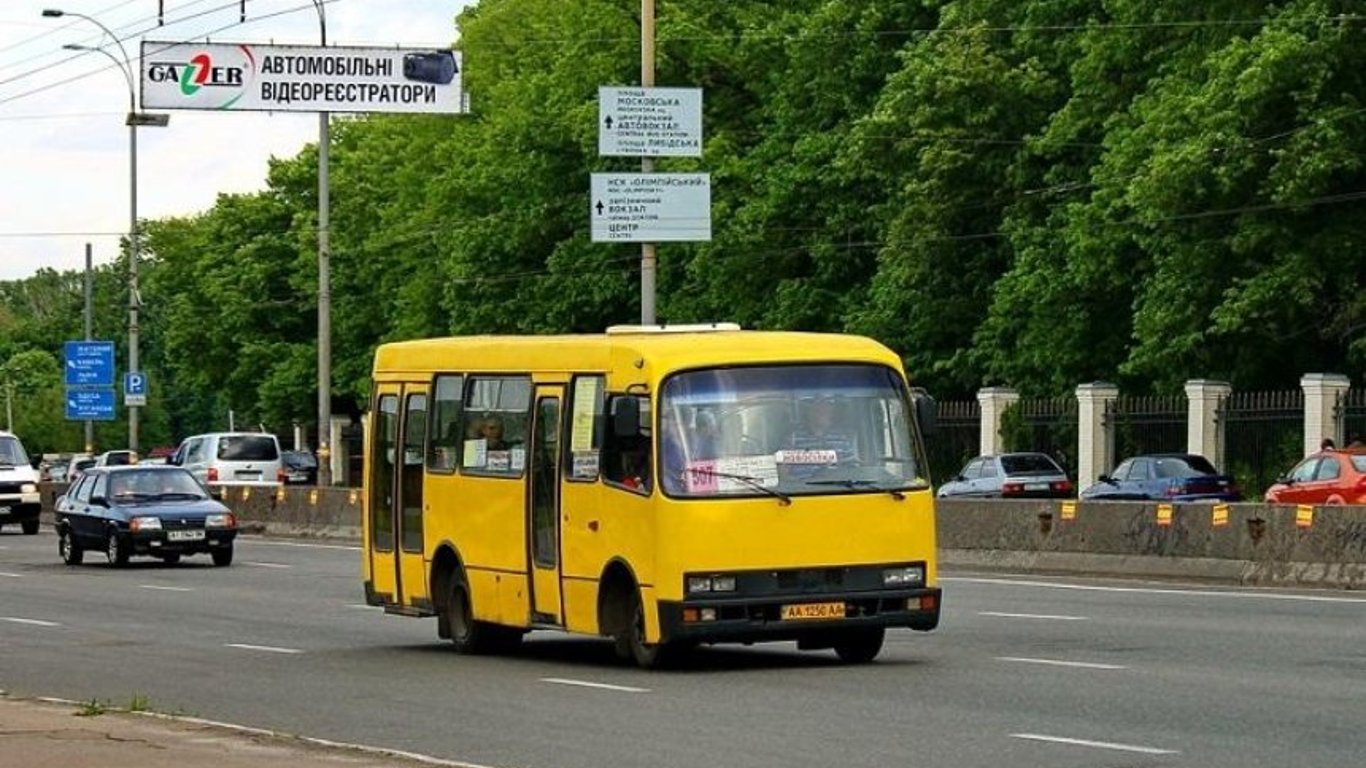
{"x":89,"y":320}
{"x":647,"y":164}
{"x":324,"y":285}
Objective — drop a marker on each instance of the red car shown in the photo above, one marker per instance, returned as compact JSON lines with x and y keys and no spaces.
{"x":1326,"y":477}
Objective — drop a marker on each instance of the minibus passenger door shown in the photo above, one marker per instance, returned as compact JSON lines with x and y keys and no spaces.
{"x":543,"y":524}
{"x":379,"y":525}
{"x":412,"y":581}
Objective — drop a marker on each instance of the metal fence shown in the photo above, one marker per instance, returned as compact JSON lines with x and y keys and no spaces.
{"x":957,"y":439}
{"x":1043,"y":425}
{"x":1147,"y":424}
{"x":1263,"y":437}
{"x":1352,"y":412}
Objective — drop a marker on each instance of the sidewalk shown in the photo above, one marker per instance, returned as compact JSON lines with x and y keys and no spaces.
{"x":42,"y":734}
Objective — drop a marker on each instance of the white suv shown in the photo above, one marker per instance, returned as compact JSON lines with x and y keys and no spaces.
{"x":231,"y":458}
{"x":19,"y":499}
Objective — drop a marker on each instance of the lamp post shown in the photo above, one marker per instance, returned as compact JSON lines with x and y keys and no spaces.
{"x":324,"y":283}
{"x":135,"y":119}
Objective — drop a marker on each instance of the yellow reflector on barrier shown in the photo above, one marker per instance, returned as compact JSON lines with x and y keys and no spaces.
{"x":280,"y":493}
{"x":1068,"y":510}
{"x":1219,"y":517}
{"x":1304,"y":516}
{"x":313,"y":497}
{"x":246,"y":493}
{"x":1164,"y":514}
{"x":355,"y":496}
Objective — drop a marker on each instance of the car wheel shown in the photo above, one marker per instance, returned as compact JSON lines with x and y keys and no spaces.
{"x":71,"y":552}
{"x":116,"y":549}
{"x":222,"y":557}
{"x":631,"y":643}
{"x":30,"y":527}
{"x":860,"y":646}
{"x":171,"y":559}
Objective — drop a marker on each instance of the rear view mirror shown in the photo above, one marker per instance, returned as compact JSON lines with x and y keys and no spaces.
{"x":216,"y":494}
{"x":99,"y":501}
{"x":926,"y":411}
{"x":1106,"y":479}
{"x":625,"y":416}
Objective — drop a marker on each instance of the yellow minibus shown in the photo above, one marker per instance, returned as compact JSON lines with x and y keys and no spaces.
{"x":663,"y":486}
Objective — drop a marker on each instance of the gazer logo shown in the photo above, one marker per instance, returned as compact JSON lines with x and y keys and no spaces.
{"x":204,"y":72}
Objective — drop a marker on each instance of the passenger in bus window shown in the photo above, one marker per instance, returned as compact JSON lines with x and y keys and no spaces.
{"x":820,"y":430}
{"x":492,"y":431}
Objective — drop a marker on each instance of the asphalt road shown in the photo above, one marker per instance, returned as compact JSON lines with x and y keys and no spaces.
{"x":1023,"y":671}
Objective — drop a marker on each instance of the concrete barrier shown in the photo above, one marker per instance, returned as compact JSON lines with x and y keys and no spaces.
{"x":1243,"y":543}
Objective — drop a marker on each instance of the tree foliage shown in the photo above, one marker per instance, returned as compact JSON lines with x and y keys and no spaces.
{"x":1031,"y":193}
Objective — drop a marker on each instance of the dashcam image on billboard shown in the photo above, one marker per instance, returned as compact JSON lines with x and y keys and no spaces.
{"x":296,"y":78}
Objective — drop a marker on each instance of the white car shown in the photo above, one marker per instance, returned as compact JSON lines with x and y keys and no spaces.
{"x":19,"y":499}
{"x":231,"y":458}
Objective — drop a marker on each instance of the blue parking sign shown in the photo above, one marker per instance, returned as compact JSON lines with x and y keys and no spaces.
{"x":135,"y":388}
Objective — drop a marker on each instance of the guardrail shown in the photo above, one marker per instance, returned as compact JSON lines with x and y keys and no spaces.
{"x":1244,"y":543}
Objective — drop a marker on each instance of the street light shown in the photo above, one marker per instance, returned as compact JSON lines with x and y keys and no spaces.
{"x":135,"y":119}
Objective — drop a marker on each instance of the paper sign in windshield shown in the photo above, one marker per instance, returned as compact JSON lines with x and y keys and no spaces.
{"x":806,"y":457}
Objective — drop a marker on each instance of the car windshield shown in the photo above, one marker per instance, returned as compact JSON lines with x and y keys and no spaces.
{"x":154,"y":484}
{"x":787,"y":429}
{"x":1029,"y":464}
{"x":1188,"y":466}
{"x":12,"y":452}
{"x":296,"y":459}
{"x":248,"y":448}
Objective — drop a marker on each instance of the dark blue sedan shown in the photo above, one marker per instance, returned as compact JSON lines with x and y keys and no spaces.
{"x":158,"y":511}
{"x":1165,"y":477}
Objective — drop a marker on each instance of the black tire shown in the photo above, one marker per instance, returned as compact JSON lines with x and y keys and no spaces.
{"x":469,"y":635}
{"x":222,"y":557}
{"x":860,"y":646}
{"x":116,"y":549}
{"x":71,"y":552}
{"x":171,"y":559}
{"x":631,"y":645}
{"x":30,"y":527}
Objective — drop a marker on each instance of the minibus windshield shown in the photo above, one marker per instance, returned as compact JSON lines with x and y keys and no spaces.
{"x":794,"y":429}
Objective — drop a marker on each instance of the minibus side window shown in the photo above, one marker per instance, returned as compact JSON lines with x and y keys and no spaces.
{"x":446,"y":429}
{"x":583,"y":460}
{"x":626,"y":458}
{"x":497,"y":410}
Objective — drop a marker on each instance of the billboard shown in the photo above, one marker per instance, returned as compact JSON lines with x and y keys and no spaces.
{"x":297,"y":78}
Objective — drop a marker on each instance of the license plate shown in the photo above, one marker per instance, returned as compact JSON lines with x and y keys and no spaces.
{"x":1036,"y":486}
{"x":804,"y":611}
{"x":248,"y":475}
{"x":184,"y":535}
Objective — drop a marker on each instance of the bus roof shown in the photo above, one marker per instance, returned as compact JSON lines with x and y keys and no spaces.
{"x":663,"y":352}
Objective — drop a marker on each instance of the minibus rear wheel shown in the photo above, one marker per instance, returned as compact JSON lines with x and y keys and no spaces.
{"x":860,"y":646}
{"x":469,"y":635}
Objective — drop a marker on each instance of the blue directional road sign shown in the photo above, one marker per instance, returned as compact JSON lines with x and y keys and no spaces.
{"x":90,"y":363}
{"x":91,"y":404}
{"x":135,"y":388}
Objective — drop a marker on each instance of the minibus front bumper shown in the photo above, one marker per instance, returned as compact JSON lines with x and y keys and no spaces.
{"x":796,"y":617}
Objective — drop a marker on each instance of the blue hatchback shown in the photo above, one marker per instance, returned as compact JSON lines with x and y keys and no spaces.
{"x":158,"y":511}
{"x":1165,"y":477}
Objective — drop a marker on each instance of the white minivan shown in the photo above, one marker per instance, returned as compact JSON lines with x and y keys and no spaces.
{"x":231,"y":458}
{"x":19,"y":499}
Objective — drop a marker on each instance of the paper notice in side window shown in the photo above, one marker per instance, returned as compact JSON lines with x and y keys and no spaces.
{"x":476,"y":453}
{"x":700,"y":477}
{"x":585,"y":464}
{"x":499,"y":461}
{"x":806,"y":457}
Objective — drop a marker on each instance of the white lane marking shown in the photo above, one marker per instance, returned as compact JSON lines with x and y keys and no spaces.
{"x":1156,"y":591}
{"x":366,"y":607}
{"x":266,"y":648}
{"x":29,"y":622}
{"x":300,"y":545}
{"x":165,"y":589}
{"x":1059,"y":663}
{"x":250,"y":731}
{"x":586,"y":684}
{"x":1096,"y":744}
{"x":267,"y":565}
{"x":12,"y":575}
{"x":1053,"y":617}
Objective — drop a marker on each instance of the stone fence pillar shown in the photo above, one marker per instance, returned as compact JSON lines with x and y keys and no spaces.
{"x":1204,"y":432}
{"x":1095,"y":438}
{"x":993,"y":402}
{"x":1321,"y":415}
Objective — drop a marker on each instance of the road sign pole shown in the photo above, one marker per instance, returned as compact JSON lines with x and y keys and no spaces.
{"x":647,"y":164}
{"x":89,"y":320}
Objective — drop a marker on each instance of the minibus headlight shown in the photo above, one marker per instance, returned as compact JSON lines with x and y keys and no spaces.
{"x":144,"y":524}
{"x":903,"y":577}
{"x":711,"y":584}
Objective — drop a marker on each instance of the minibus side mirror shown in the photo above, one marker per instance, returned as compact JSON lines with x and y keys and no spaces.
{"x":625,"y":416}
{"x":926,"y":411}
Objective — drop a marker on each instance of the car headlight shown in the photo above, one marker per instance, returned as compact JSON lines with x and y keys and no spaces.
{"x":220,"y":521}
{"x":28,"y":488}
{"x":903,"y":577}
{"x":711,"y":584}
{"x":144,"y":524}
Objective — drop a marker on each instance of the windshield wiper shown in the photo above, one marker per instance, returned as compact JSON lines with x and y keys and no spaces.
{"x":852,"y":484}
{"x":752,"y":482}
{"x":179,"y":495}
